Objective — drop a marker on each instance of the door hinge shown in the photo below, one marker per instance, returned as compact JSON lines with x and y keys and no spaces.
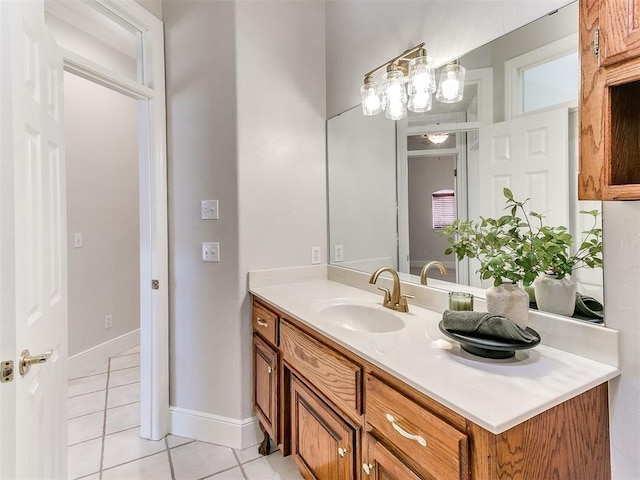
{"x":155,"y":284}
{"x":6,"y":371}
{"x":596,"y":42}
{"x":455,"y":172}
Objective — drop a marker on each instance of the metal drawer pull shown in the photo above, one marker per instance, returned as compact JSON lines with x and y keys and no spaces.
{"x":261,"y":322}
{"x":404,"y":433}
{"x":342,"y":451}
{"x":367,"y":467}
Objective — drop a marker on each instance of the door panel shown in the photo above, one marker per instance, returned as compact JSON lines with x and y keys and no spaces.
{"x":265,"y":361}
{"x":323,"y":445}
{"x":384,"y":465}
{"x":620,"y":30}
{"x":34,"y":298}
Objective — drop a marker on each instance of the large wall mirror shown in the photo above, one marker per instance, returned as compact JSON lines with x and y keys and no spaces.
{"x":387,"y":181}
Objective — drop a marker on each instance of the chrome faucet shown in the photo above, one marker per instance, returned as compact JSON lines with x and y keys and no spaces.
{"x":394,"y":300}
{"x":425,"y":269}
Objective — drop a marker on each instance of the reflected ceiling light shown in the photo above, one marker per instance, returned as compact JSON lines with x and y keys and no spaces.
{"x":437,"y":138}
{"x":408,"y":84}
{"x":451,"y":86}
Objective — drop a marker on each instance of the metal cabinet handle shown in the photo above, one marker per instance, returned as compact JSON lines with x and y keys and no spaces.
{"x":342,"y":452}
{"x":271,"y":369}
{"x":26,"y":360}
{"x":367,"y":467}
{"x":261,"y":322}
{"x":404,"y":433}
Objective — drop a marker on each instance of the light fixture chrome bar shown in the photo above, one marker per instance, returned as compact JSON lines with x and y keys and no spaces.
{"x":403,"y":56}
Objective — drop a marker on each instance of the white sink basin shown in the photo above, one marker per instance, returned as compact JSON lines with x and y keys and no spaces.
{"x":361,"y":317}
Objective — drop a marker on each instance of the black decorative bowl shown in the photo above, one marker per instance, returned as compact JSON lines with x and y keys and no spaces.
{"x":490,"y":347}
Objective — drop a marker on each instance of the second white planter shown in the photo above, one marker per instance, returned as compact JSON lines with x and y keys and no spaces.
{"x":511,"y":301}
{"x":555,"y":295}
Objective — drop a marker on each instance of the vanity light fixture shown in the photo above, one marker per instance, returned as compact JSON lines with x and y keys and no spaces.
{"x":408,"y":84}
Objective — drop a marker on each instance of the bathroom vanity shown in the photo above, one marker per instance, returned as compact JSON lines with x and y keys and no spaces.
{"x":350,"y":401}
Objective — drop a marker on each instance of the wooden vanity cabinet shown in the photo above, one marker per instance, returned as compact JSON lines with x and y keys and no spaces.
{"x":609,"y":95}
{"x":266,"y":369}
{"x":342,"y":417}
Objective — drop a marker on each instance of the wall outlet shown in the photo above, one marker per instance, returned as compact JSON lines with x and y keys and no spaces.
{"x":77,"y":240}
{"x":211,"y":252}
{"x":209,"y":210}
{"x":315,"y":255}
{"x":108,"y":320}
{"x":338,"y":253}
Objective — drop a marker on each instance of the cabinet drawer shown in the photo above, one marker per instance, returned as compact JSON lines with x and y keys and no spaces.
{"x":435,"y":447}
{"x":265,"y":323}
{"x":332,"y":374}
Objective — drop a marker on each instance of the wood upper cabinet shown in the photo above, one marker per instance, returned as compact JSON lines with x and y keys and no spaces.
{"x":609,"y":95}
{"x":265,"y":386}
{"x":381,"y":464}
{"x":323,"y":444}
{"x":619,"y":30}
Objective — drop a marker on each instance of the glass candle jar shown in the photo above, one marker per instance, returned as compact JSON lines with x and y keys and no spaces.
{"x":460,"y":301}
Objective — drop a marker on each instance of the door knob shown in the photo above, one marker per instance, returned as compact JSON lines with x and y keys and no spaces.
{"x":26,"y":360}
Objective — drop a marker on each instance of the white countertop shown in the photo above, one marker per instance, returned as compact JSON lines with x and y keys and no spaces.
{"x":495,"y":394}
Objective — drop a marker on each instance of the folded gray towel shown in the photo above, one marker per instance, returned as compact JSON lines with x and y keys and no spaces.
{"x":486,"y":325}
{"x":589,"y":307}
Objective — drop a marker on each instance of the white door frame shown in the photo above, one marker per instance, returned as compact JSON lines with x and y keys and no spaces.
{"x":154,"y":259}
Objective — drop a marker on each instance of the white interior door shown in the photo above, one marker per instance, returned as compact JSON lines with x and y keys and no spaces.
{"x":529,"y":155}
{"x":32,"y":244}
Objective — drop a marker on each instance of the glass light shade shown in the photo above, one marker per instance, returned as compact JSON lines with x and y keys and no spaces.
{"x":437,"y":138}
{"x":421,"y":102}
{"x":394,"y":95}
{"x":422,"y":75}
{"x":451,"y":86}
{"x":371,"y":102}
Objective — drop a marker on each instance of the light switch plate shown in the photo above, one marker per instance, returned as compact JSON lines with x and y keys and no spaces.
{"x":209,"y":210}
{"x":77,"y":240}
{"x":210,"y":252}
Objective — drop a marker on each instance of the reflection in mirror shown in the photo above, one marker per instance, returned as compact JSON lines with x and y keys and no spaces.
{"x":516,"y":127}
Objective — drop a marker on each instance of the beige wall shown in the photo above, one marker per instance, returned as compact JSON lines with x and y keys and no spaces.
{"x":245,"y":112}
{"x":102,"y":204}
{"x":426,"y":175}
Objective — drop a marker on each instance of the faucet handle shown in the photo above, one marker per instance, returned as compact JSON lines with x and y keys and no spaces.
{"x":403,"y":306}
{"x":387,"y":295}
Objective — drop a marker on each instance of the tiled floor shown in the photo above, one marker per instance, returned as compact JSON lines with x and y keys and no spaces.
{"x":104,"y":441}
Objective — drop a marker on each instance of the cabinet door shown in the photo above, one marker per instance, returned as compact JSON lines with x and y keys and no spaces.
{"x":322,"y":443}
{"x":381,"y":464}
{"x":619,"y":30}
{"x":265,"y":385}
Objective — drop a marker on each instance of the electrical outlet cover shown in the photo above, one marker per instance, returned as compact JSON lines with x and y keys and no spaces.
{"x":316,"y":255}
{"x":338,"y":253}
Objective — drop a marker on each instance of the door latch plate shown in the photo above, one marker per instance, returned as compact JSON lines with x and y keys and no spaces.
{"x":6,"y":369}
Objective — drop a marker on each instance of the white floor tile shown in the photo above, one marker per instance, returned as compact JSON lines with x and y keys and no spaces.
{"x":175,"y":441}
{"x":83,"y":404}
{"x":233,"y":474}
{"x":125,"y":361}
{"x":155,"y":467}
{"x":124,"y":377}
{"x":93,"y":383}
{"x":248,"y":454}
{"x":272,"y":467}
{"x":126,"y":446}
{"x":198,"y":460}
{"x":85,"y":428}
{"x":123,"y":395}
{"x":123,"y":418}
{"x":84,"y":458}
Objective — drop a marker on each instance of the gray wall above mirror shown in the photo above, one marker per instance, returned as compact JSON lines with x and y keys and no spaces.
{"x":348,"y":211}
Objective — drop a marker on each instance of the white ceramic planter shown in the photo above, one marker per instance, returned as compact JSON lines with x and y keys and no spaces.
{"x":555,"y":295}
{"x":511,"y":301}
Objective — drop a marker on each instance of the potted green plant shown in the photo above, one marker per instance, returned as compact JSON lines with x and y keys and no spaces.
{"x":519,"y":248}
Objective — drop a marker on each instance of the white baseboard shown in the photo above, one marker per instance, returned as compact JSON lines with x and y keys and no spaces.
{"x":229,"y":432}
{"x":87,"y":362}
